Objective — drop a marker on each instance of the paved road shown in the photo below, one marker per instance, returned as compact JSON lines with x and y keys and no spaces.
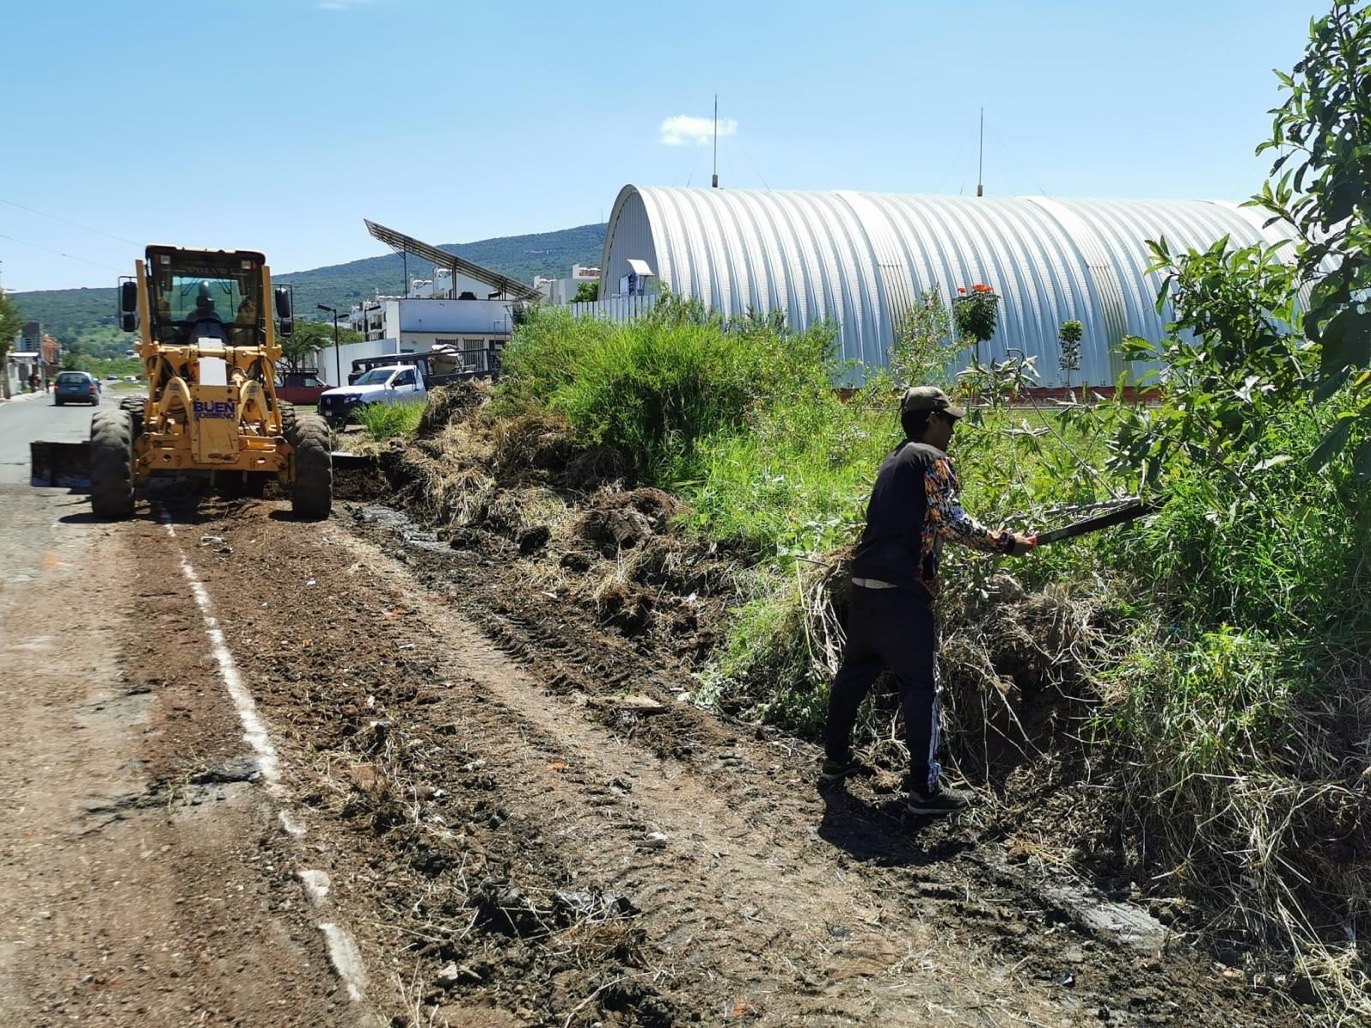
{"x":32,"y":416}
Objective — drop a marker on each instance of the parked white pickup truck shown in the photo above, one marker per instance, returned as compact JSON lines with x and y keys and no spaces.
{"x":397,"y":384}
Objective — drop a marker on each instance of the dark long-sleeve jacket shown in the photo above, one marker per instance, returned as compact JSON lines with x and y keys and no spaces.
{"x":913,"y":508}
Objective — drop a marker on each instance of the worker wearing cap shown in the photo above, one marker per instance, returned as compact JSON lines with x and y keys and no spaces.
{"x":913,"y":509}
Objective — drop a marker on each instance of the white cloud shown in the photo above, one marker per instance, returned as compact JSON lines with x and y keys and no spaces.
{"x":688,"y":130}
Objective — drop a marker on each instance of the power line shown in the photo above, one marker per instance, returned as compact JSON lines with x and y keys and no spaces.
{"x":1021,"y":166}
{"x":59,"y":253}
{"x":747,"y":156}
{"x":65,"y":221}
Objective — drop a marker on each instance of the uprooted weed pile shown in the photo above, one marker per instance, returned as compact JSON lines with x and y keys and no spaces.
{"x":1176,"y":704}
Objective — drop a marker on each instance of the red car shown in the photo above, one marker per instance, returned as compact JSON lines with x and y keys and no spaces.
{"x":300,"y":387}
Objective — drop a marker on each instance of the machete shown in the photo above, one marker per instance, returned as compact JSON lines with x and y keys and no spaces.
{"x":1130,"y":511}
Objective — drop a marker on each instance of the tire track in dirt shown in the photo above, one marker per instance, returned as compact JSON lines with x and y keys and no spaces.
{"x":726,"y":879}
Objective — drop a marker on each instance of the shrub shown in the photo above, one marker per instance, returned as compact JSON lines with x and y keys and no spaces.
{"x":976,"y":311}
{"x":388,"y":420}
{"x":544,"y":355}
{"x":658,"y":387}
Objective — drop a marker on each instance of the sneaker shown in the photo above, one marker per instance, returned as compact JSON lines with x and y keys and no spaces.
{"x":835,"y":770}
{"x":941,"y":801}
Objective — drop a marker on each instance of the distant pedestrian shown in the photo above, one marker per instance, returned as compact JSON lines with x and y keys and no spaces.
{"x":913,"y":508}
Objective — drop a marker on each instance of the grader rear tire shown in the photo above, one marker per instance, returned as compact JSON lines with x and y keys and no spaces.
{"x":111,"y":464}
{"x":311,"y":494}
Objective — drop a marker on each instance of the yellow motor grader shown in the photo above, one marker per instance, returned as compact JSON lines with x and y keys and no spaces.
{"x":208,"y":344}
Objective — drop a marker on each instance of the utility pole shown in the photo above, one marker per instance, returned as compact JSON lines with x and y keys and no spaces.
{"x":714,"y":182}
{"x":980,"y":161}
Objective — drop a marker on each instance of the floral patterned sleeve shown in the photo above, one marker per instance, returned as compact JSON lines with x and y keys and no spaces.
{"x":947,"y":519}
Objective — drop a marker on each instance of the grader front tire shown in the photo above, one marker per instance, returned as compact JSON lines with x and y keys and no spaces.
{"x":134,"y":405}
{"x":312,"y":491}
{"x":111,"y":464}
{"x":288,"y":416}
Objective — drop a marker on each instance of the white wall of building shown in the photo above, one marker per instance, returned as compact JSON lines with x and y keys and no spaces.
{"x":560,"y":291}
{"x":484,"y":317}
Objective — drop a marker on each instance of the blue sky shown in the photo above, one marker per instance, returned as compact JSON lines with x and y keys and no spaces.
{"x":279,"y":125}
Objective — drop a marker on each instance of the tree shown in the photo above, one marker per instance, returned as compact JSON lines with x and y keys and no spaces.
{"x":310,"y":336}
{"x":11,"y":323}
{"x":975,"y":313}
{"x":1069,"y":359}
{"x":586,"y":292}
{"x":1323,"y":135}
{"x":924,"y":347}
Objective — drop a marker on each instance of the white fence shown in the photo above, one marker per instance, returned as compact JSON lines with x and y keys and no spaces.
{"x":618,"y":308}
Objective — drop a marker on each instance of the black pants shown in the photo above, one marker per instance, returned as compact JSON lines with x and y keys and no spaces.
{"x":890,"y":628}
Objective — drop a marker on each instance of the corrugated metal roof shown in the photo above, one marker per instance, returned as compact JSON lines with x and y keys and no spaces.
{"x":861,"y":260}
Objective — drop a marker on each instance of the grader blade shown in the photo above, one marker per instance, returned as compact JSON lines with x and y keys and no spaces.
{"x":60,"y":464}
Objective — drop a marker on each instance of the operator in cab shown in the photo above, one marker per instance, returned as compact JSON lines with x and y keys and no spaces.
{"x":204,"y":321}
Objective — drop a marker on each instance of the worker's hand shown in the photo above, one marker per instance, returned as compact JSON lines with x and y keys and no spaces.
{"x":1022,"y":544}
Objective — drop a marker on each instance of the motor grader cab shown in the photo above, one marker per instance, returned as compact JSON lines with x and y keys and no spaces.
{"x":207,"y":339}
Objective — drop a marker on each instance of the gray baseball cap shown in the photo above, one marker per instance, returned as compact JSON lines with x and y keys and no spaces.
{"x":930,"y":398}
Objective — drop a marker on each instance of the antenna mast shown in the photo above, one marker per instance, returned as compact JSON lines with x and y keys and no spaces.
{"x":714,"y":181}
{"x":980,"y":161}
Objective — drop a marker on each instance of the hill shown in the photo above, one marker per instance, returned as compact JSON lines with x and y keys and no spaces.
{"x":85,"y":318}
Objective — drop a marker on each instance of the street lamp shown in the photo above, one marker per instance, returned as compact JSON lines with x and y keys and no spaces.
{"x":337,"y":354}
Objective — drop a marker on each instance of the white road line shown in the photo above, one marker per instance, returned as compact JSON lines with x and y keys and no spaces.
{"x":254,"y":732}
{"x":342,"y":947}
{"x":347,"y":959}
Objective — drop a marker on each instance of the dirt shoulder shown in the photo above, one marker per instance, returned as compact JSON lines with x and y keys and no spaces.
{"x":138,"y":885}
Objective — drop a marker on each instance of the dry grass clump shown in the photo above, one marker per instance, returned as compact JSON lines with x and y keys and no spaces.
{"x":1014,"y":663}
{"x":455,"y":402}
{"x":442,"y":491}
{"x":536,"y":442}
{"x":597,"y":467}
{"x":1018,"y":668}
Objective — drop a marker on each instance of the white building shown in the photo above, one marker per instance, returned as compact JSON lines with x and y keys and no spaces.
{"x":19,"y":366}
{"x":464,"y":306}
{"x":561,"y":291}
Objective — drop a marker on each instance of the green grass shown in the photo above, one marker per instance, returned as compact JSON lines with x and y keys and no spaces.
{"x":390,"y":420}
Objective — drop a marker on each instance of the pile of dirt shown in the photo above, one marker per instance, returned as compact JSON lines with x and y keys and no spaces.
{"x":568,"y":520}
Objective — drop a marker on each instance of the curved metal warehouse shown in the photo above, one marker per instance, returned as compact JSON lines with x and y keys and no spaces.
{"x":861,"y":259}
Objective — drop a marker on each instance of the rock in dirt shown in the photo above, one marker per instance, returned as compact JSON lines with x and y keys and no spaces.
{"x":1122,"y":923}
{"x":634,"y":703}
